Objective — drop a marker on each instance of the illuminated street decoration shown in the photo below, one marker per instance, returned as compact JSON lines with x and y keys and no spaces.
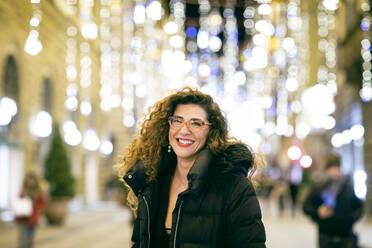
{"x":41,"y":124}
{"x":355,"y":133}
{"x":71,"y":102}
{"x":206,"y":63}
{"x":106,"y":58}
{"x":89,"y":31}
{"x":327,"y":44}
{"x":91,"y":141}
{"x":89,"y":28}
{"x":138,"y":57}
{"x":360,"y":184}
{"x":128,"y":61}
{"x":33,"y":45}
{"x":173,"y":58}
{"x":110,"y":33}
{"x":8,"y":109}
{"x":365,"y":25}
{"x":297,"y":72}
{"x":71,"y":134}
{"x":294,"y":152}
{"x":306,"y":161}
{"x":317,"y":115}
{"x":230,"y":50}
{"x":115,"y":43}
{"x":106,"y":147}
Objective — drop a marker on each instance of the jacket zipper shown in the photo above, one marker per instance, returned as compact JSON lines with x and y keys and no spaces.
{"x":148,"y":221}
{"x":176,"y":230}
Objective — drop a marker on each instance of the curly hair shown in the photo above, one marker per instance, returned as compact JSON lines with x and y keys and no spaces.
{"x":153,"y":136}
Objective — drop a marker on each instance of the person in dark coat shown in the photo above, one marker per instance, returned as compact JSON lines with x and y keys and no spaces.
{"x":334,"y":206}
{"x":188,"y":181}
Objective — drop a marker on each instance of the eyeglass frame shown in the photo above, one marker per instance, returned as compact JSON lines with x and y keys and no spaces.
{"x":188,"y":123}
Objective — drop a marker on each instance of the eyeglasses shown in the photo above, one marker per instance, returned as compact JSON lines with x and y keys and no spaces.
{"x":194,"y":125}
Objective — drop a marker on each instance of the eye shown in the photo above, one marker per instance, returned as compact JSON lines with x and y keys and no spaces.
{"x":197,"y":123}
{"x":177,"y":121}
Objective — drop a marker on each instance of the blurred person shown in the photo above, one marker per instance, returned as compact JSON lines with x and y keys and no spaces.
{"x":33,"y":189}
{"x":281,"y":192}
{"x":188,"y":183}
{"x":334,"y":206}
{"x":294,"y":181}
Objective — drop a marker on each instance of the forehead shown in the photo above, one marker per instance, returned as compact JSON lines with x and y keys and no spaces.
{"x":190,"y":111}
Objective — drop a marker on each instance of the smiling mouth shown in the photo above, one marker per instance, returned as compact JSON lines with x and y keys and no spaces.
{"x":184,"y":142}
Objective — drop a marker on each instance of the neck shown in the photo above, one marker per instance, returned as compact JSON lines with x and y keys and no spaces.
{"x":182,"y":169}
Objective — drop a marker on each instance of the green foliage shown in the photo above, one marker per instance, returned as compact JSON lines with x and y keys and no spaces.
{"x":58,"y":169}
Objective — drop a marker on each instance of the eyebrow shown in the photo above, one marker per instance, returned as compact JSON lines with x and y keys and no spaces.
{"x":192,"y":119}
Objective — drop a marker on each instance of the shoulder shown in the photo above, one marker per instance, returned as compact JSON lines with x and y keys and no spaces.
{"x":238,"y":154}
{"x":241,"y":201}
{"x":232,"y":164}
{"x":241,"y":186}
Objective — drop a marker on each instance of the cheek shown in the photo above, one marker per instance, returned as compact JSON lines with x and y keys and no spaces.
{"x":170,"y":135}
{"x":203,"y":138}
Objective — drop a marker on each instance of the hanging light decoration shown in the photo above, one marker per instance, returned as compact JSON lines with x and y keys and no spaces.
{"x":106,"y":58}
{"x":72,"y":135}
{"x":41,"y":124}
{"x":309,"y":116}
{"x":106,"y":147}
{"x":33,"y":45}
{"x":89,"y":31}
{"x":230,"y":49}
{"x":173,"y":56}
{"x":365,"y":25}
{"x":89,"y":28}
{"x":128,"y":77}
{"x":8,"y":109}
{"x":91,"y":141}
{"x":116,"y":46}
{"x":71,"y":102}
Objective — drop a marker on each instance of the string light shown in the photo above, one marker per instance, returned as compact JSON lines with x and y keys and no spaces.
{"x":366,"y":91}
{"x":33,"y":45}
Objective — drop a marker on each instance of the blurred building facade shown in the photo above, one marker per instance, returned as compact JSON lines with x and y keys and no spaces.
{"x":94,"y":67}
{"x":39,"y":87}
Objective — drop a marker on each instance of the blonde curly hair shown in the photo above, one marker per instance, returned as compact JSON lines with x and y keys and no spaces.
{"x":153,"y":137}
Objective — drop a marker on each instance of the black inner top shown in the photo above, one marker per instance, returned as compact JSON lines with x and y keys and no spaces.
{"x":160,"y":234}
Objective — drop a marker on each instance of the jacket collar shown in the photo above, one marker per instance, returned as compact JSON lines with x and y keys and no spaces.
{"x":198,"y":172}
{"x":137,"y":178}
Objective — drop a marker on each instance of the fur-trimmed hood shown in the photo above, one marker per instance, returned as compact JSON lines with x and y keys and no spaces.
{"x":208,"y":169}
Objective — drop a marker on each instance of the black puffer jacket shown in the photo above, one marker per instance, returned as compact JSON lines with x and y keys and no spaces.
{"x":219,"y":209}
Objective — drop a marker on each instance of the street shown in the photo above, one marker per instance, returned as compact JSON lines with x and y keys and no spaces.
{"x":108,"y":226}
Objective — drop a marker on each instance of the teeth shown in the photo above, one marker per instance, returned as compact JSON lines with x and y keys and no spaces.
{"x":185,"y":142}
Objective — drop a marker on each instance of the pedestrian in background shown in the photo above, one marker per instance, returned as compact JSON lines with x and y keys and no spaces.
{"x":31,"y":189}
{"x":188,"y":182}
{"x":335,"y":208}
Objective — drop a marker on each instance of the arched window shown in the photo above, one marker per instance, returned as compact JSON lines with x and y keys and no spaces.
{"x":11,"y":79}
{"x":11,"y":89}
{"x":47,"y":95}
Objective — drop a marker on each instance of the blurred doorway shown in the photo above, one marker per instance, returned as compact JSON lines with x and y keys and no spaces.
{"x":11,"y":153}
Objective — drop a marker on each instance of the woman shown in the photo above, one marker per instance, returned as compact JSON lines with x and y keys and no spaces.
{"x":27,"y":224}
{"x":188,"y":182}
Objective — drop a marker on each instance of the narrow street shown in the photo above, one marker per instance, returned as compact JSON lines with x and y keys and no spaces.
{"x":103,"y":226}
{"x":108,"y":226}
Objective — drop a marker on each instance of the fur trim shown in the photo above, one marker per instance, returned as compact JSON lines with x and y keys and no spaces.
{"x":236,"y":160}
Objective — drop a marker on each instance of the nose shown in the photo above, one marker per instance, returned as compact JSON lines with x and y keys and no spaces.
{"x":185,"y":127}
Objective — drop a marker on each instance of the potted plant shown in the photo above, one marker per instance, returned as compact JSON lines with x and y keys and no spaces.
{"x":60,"y":179}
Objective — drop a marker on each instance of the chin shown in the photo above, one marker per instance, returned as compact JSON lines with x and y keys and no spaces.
{"x":185,"y":155}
